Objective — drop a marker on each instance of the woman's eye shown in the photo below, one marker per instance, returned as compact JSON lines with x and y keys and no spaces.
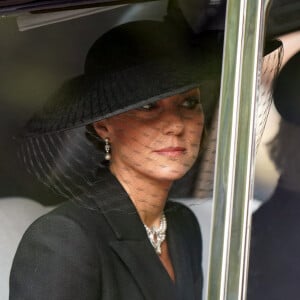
{"x":190,"y":103}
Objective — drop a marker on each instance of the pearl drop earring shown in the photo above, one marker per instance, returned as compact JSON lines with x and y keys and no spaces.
{"x":107,"y":148}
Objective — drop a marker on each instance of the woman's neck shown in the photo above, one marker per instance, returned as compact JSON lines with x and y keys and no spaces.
{"x":148,"y":195}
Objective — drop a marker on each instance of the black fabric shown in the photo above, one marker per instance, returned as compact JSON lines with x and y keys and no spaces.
{"x":283,"y":17}
{"x":102,"y":252}
{"x":274,"y":269}
{"x":287,"y":91}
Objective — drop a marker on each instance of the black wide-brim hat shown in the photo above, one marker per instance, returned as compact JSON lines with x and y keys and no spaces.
{"x":130,"y":66}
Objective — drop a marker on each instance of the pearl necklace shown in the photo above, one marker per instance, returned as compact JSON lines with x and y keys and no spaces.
{"x":157,"y":235}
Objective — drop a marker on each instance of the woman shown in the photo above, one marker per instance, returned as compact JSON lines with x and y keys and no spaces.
{"x":119,"y":237}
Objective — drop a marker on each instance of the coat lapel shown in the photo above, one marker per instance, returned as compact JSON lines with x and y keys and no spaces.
{"x":134,"y":248}
{"x":180,"y":257}
{"x":146,"y":269}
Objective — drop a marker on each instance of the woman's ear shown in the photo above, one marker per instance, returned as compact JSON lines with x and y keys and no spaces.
{"x":101,"y":129}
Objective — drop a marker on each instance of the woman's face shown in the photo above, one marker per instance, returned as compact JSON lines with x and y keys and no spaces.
{"x":159,"y":140}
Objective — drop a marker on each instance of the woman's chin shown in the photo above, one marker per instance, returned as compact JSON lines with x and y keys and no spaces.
{"x":171,"y":174}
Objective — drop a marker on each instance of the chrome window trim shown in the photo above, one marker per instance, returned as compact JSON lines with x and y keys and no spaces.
{"x":242,"y":59}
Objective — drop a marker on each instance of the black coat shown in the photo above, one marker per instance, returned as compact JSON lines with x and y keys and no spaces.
{"x":274,"y":267}
{"x":100,"y":250}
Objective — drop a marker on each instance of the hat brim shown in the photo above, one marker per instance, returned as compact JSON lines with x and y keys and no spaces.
{"x":86,"y":99}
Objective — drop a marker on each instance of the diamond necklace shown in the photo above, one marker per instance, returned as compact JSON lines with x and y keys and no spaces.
{"x":157,"y":235}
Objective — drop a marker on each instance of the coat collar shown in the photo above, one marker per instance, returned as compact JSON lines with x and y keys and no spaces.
{"x":117,"y":208}
{"x":180,"y":255}
{"x":134,"y":248}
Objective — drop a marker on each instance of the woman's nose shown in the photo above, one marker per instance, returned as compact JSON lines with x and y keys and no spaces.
{"x":172,"y":122}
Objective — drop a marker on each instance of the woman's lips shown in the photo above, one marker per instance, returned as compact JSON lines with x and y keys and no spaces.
{"x":171,"y":151}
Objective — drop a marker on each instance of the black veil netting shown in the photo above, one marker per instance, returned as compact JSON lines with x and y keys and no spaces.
{"x":130,"y":66}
